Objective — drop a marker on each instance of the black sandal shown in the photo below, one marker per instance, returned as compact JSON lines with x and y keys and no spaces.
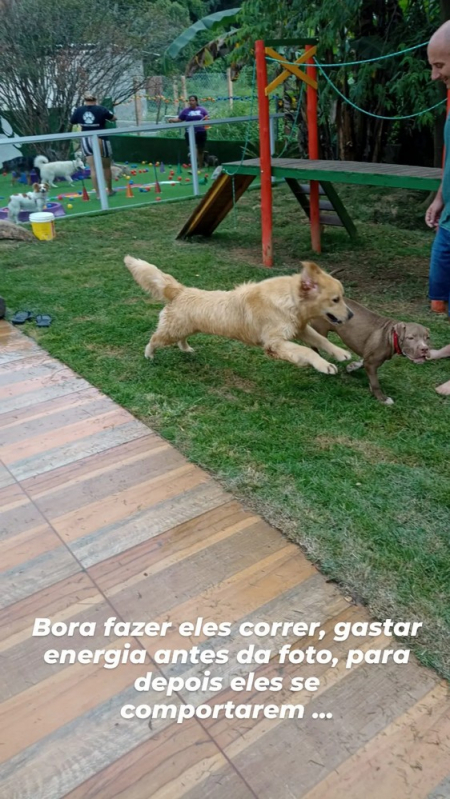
{"x":20,"y":317}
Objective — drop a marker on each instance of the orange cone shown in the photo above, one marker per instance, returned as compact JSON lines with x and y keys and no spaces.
{"x":85,"y":194}
{"x":128,"y":192}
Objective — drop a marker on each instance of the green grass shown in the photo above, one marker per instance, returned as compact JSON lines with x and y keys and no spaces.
{"x":73,"y":203}
{"x":362,"y":487}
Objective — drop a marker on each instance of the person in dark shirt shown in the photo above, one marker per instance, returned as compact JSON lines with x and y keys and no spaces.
{"x":91,"y":116}
{"x":193,"y":113}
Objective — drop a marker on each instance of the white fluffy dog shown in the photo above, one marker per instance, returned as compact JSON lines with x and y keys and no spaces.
{"x":32,"y":201}
{"x":50,"y":170}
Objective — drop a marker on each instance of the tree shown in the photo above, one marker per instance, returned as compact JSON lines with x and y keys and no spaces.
{"x":52,"y":52}
{"x":352,"y":31}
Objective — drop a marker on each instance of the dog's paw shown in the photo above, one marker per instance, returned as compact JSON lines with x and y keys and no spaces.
{"x":148,"y":352}
{"x":388,"y":401}
{"x":326,"y":368}
{"x":342,"y":355}
{"x":352,"y":367}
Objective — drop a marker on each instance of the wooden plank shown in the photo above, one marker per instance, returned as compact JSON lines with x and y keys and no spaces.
{"x":359,"y":714}
{"x":353,"y":172}
{"x":301,"y":196}
{"x":340,"y":209}
{"x":290,"y":69}
{"x":182,"y":761}
{"x":303,"y":199}
{"x":111,"y":539}
{"x":305,"y":187}
{"x":216,"y":205}
{"x":331,"y":220}
{"x":399,"y":757}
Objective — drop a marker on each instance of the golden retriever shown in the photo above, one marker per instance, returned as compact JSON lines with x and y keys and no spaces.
{"x":268,"y":314}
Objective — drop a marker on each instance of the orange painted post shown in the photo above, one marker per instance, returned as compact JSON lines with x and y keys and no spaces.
{"x":313,"y":152}
{"x":264,"y":154}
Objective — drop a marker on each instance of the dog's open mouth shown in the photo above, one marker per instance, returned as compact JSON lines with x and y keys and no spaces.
{"x":420,"y":359}
{"x":333,"y":319}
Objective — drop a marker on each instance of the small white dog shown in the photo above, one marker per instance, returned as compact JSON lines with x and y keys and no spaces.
{"x":50,"y":170}
{"x":31,"y":201}
{"x":117,"y":171}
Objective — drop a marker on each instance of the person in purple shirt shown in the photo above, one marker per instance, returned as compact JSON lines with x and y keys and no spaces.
{"x":192,"y":113}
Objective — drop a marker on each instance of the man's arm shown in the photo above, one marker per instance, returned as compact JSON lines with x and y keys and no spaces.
{"x":434,"y":211}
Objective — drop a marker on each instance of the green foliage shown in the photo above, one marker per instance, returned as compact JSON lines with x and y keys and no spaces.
{"x":209,"y":23}
{"x":358,"y":30}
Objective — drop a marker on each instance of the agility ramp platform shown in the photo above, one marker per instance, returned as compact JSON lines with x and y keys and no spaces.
{"x":237,"y":177}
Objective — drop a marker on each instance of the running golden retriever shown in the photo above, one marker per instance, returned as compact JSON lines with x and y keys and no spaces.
{"x":268,"y":314}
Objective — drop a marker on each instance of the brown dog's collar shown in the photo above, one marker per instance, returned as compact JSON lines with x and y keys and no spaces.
{"x":397,"y":348}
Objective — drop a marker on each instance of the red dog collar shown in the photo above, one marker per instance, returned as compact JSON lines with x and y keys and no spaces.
{"x":397,"y":348}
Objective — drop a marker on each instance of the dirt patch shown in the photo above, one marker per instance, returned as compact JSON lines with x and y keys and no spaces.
{"x":235,"y":381}
{"x":372,"y":452}
{"x":110,"y":352}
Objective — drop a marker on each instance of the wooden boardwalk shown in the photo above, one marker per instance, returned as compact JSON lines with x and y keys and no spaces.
{"x":100,"y":518}
{"x":361,"y":173}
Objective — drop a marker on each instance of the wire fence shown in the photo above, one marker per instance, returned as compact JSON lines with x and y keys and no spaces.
{"x":165,"y":97}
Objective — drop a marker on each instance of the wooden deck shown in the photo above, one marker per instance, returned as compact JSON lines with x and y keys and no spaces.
{"x":357,"y":172}
{"x":101,"y":518}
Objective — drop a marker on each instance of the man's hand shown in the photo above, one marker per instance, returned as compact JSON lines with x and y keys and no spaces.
{"x":433,"y":213}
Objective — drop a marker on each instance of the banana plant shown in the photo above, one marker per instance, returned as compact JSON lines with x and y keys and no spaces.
{"x":218,"y":47}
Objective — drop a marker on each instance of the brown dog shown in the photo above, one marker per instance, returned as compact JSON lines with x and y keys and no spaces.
{"x":268,"y":314}
{"x":376,"y":339}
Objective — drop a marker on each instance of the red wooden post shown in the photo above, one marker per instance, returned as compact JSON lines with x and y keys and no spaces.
{"x":313,"y":152}
{"x":264,"y":154}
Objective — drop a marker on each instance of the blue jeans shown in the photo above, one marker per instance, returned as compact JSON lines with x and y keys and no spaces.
{"x":439,"y":278}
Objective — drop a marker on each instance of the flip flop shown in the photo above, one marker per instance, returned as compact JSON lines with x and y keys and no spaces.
{"x":43,"y":320}
{"x":20,"y":317}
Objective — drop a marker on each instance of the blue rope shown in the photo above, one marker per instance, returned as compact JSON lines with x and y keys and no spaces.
{"x":369,"y":113}
{"x":354,"y":63}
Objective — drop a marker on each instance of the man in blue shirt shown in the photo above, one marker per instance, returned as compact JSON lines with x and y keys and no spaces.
{"x":91,"y":116}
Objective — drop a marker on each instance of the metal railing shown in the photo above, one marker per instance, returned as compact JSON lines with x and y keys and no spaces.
{"x":148,"y":127}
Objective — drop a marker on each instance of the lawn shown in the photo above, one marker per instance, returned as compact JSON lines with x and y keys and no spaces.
{"x":362,"y":487}
{"x":176,"y":187}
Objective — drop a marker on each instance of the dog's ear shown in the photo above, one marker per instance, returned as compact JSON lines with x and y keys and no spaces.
{"x":400,"y":329}
{"x":311,"y":268}
{"x":35,"y":186}
{"x":308,"y":277}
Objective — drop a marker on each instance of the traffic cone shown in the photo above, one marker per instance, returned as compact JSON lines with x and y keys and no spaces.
{"x":85,"y":195}
{"x":128,"y":192}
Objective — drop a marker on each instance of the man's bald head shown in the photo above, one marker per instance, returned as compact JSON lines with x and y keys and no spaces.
{"x":439,"y":54}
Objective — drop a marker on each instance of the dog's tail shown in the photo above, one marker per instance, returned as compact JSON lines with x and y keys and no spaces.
{"x":161,"y":286}
{"x":40,"y":160}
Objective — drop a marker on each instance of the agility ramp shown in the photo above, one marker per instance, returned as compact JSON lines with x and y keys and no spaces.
{"x":221,"y":197}
{"x":216,"y":204}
